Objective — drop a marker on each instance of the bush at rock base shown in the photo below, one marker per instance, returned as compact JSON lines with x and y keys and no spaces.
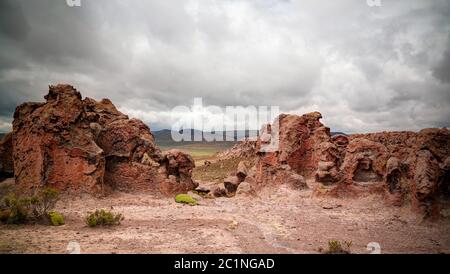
{"x":21,"y":210}
{"x":43,"y":202}
{"x":14,"y":210}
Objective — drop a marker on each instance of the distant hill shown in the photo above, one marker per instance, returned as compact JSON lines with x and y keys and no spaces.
{"x":164,"y":137}
{"x":338,"y":133}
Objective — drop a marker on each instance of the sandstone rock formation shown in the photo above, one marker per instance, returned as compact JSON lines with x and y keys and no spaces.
{"x":299,"y":138}
{"x":416,"y":167}
{"x":243,"y":149}
{"x":85,"y":146}
{"x":178,"y":165}
{"x":403,"y":166}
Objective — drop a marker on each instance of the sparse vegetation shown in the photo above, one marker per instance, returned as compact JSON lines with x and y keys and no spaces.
{"x":56,"y":219}
{"x":336,"y":247}
{"x":43,"y":202}
{"x":218,"y":170}
{"x":102,"y":217}
{"x":21,"y":210}
{"x":14,"y":210}
{"x":185,"y":199}
{"x":199,"y":151}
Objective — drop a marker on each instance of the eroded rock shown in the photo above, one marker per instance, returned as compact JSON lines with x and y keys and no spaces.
{"x":403,"y":166}
{"x":85,"y":146}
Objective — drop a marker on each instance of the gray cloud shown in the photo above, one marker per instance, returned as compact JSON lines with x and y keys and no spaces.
{"x":365,"y":68}
{"x":442,"y":69}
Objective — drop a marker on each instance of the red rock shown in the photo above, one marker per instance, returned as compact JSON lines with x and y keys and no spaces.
{"x":365,"y":161}
{"x":404,"y":166}
{"x":179,"y":165}
{"x":299,"y":140}
{"x":243,"y":149}
{"x":426,"y":178}
{"x":87,"y":146}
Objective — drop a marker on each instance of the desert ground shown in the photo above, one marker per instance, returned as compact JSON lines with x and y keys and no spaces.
{"x":277,"y":220}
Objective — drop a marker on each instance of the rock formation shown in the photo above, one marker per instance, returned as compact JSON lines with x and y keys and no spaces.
{"x":243,"y":149}
{"x":403,"y":166}
{"x":298,"y":151}
{"x":415,"y":168}
{"x":85,"y":146}
{"x":81,"y":145}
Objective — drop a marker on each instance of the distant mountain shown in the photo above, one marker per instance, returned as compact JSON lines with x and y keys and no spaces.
{"x":338,"y":133}
{"x":164,"y":137}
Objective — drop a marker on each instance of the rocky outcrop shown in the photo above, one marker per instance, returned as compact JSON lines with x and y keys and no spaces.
{"x":243,"y":149}
{"x":81,"y":145}
{"x":298,"y":141}
{"x":415,"y":167}
{"x":365,"y":162}
{"x":178,"y":166}
{"x":403,"y":166}
{"x":329,"y":161}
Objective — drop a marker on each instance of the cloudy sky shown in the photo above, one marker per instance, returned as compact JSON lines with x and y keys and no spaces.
{"x":365,"y":68}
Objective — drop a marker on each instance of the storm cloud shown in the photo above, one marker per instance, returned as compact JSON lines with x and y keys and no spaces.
{"x":365,"y":68}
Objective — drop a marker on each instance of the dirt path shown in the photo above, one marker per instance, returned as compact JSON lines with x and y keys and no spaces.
{"x":281,"y":221}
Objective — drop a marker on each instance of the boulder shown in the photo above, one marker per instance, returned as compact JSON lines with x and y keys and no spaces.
{"x":179,"y":165}
{"x":245,"y":189}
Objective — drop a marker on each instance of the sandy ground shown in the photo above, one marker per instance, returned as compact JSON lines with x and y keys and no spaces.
{"x":278,"y":221}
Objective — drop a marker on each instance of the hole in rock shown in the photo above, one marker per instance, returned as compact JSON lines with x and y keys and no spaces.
{"x":365,"y":174}
{"x":444,"y":186}
{"x":393,"y":181}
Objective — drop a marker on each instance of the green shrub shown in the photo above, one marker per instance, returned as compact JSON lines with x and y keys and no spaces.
{"x":102,"y":217}
{"x":20,"y":210}
{"x":335,"y":247}
{"x":185,"y":199}
{"x":56,"y":219}
{"x":43,"y":202}
{"x":15,"y":210}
